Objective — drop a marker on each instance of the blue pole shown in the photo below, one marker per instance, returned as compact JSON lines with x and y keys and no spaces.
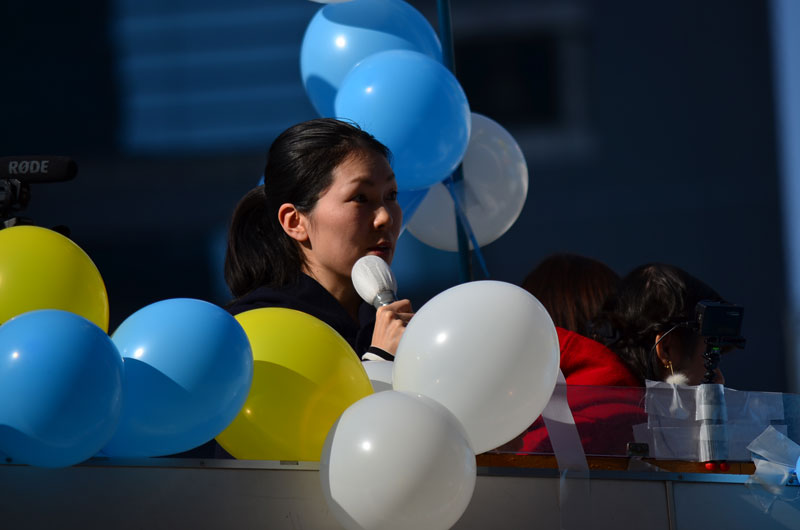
{"x":448,"y":58}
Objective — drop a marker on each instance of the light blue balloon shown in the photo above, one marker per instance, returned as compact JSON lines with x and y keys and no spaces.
{"x":60,"y":388}
{"x":340,"y":35}
{"x":416,"y":107}
{"x":188,"y":369}
{"x":409,"y":201}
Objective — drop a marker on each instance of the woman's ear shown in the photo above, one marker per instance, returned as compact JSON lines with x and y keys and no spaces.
{"x":293,"y":222}
{"x":664,"y":349}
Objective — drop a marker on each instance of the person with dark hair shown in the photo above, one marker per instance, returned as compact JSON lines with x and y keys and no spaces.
{"x":649,"y":324}
{"x":573,"y":289}
{"x":329,"y":197}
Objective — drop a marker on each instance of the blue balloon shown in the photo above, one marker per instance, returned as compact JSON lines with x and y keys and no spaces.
{"x":60,"y":388}
{"x":188,"y":369}
{"x":416,"y":107}
{"x":340,"y":35}
{"x":409,"y":201}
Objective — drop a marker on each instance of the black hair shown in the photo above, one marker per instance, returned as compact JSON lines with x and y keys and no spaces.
{"x":651,"y":300}
{"x":299,"y":169}
{"x":572,"y":288}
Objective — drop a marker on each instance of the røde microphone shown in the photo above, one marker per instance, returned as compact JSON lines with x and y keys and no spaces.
{"x":37,"y":168}
{"x":374,"y":281}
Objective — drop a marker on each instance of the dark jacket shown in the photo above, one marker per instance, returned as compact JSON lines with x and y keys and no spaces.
{"x":308,"y":296}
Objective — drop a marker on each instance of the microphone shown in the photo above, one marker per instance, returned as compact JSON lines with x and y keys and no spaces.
{"x":374,"y":281}
{"x":37,"y":168}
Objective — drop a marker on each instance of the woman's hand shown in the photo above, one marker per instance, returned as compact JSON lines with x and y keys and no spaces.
{"x":390,"y":323}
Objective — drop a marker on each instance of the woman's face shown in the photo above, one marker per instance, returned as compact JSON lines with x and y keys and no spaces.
{"x":357,"y":215}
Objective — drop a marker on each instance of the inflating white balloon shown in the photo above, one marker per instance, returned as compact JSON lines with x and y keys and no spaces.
{"x":397,"y":461}
{"x":380,"y":374}
{"x":486,"y":350}
{"x":495,"y":186}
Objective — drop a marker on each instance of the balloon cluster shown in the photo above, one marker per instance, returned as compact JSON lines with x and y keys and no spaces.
{"x":268,"y":383}
{"x":172,"y":376}
{"x":475,"y":367}
{"x":379,"y":64}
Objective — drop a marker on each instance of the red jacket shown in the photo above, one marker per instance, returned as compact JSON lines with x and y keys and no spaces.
{"x":587,"y":362}
{"x":604,"y":416}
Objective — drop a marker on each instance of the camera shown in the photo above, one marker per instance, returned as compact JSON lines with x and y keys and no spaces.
{"x":720,"y":320}
{"x":16,"y":175}
{"x":720,"y":324}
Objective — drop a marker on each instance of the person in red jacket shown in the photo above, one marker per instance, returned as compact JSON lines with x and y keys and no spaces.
{"x":604,"y":396}
{"x":573,"y":289}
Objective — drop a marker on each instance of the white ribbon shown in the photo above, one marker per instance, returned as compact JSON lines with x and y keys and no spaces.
{"x":574,"y":493}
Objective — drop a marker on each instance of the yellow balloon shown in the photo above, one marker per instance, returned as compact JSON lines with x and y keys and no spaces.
{"x":305,"y":376}
{"x":41,"y":269}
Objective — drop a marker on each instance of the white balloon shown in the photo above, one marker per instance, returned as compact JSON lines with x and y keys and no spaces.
{"x":494,"y":189}
{"x":397,"y":461}
{"x":486,"y":350}
{"x":380,"y":374}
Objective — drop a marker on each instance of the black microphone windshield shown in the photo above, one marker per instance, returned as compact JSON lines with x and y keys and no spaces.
{"x":37,"y":168}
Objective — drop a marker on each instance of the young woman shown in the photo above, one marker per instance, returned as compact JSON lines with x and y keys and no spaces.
{"x":329,"y":197}
{"x":573,"y":289}
{"x":649,"y":324}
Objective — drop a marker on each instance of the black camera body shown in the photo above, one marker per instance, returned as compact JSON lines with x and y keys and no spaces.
{"x":720,"y":324}
{"x":16,"y":175}
{"x":719,"y":320}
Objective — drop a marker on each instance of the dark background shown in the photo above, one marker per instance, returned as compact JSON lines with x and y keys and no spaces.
{"x":648,"y":128}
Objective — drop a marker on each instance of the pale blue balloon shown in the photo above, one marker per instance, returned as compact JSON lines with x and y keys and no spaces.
{"x":188,"y":369}
{"x":340,"y":35}
{"x":409,"y":201}
{"x":61,"y":392}
{"x":416,"y":107}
